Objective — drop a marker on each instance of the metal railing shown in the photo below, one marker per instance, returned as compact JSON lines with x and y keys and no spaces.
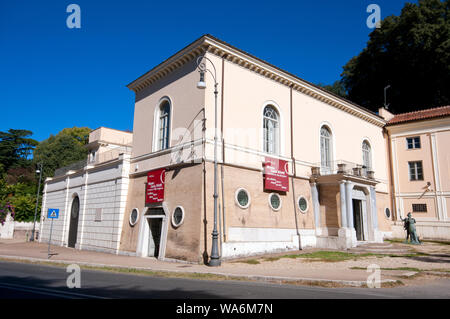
{"x":72,"y":167}
{"x":342,"y":167}
{"x":109,"y":155}
{"x":99,"y":158}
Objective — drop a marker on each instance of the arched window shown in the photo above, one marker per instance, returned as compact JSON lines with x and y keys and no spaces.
{"x":164,"y":125}
{"x":367,"y":155}
{"x":326,"y":156}
{"x":271,"y":124}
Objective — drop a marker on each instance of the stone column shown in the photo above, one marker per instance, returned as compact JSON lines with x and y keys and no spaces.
{"x":373,"y":207}
{"x":83,"y":207}
{"x":348,"y":195}
{"x":316,"y":206}
{"x":378,"y":236}
{"x":66,"y":221}
{"x":343,"y":199}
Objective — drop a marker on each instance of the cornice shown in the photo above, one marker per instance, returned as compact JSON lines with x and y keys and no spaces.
{"x":231,"y":54}
{"x":174,"y":62}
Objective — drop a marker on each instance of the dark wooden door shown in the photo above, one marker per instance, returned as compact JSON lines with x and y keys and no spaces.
{"x":154,"y":236}
{"x":73,"y":228}
{"x":357,"y":219}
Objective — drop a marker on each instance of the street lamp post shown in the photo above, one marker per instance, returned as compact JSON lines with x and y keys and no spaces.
{"x":39,"y":171}
{"x":215,"y":258}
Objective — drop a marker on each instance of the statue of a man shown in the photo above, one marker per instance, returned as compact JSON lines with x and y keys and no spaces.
{"x":414,"y":239}
{"x":406,"y":227}
{"x":409,"y":224}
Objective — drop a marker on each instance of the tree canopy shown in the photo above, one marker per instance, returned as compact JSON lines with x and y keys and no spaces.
{"x":62,"y":149}
{"x":17,"y":175}
{"x":411,"y":53}
{"x":337,"y":88}
{"x":15,"y":148}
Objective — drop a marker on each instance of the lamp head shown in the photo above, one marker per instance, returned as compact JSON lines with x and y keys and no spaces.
{"x":201,"y":84}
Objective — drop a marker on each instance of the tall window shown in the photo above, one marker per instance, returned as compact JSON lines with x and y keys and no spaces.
{"x":367,"y":155}
{"x":271,"y":124}
{"x":164,"y":125}
{"x":325,"y":149}
{"x":415,"y":171}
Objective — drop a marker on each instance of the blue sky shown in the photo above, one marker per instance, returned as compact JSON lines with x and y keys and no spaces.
{"x":52,"y":77}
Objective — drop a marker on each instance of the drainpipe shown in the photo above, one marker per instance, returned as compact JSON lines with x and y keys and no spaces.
{"x":293,"y":169}
{"x":224,"y":233}
{"x":391,"y":175}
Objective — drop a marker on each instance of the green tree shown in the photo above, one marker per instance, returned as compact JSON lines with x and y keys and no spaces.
{"x":62,"y":149}
{"x":80,"y":134}
{"x":15,"y":148}
{"x":411,"y":53}
{"x":336,"y":88}
{"x":21,"y":196}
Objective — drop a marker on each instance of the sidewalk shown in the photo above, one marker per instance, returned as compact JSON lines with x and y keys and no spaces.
{"x":281,"y":270}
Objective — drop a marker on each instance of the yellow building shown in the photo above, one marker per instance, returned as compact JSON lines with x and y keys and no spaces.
{"x":420,"y":157}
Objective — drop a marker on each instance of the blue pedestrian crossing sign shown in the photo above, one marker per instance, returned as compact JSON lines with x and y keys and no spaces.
{"x":53,"y":213}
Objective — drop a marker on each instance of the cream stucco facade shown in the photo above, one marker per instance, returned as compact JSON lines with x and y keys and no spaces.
{"x":336,"y":157}
{"x":246,"y":86}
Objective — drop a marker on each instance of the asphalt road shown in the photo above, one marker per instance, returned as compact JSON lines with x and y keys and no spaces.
{"x":25,"y":281}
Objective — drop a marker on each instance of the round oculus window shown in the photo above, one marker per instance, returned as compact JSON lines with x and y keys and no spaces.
{"x":302,"y":204}
{"x":242,"y":198}
{"x":178,"y":216}
{"x":275,"y":201}
{"x":134,"y":216}
{"x":387,"y":212}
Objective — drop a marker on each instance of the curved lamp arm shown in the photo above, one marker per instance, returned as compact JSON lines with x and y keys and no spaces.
{"x":202,"y":66}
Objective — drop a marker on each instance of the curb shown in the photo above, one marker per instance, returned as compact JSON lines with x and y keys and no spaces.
{"x":260,"y":278}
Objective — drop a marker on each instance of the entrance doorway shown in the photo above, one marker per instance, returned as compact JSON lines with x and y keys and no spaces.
{"x":73,"y":228}
{"x":358,"y":218}
{"x":152,"y":242}
{"x":154,"y":236}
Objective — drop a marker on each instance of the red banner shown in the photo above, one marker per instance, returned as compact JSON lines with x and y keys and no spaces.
{"x":276,"y":174}
{"x":154,"y":190}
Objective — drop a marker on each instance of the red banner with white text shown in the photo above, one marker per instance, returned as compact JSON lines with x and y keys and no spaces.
{"x":154,"y":190}
{"x":276,"y":175}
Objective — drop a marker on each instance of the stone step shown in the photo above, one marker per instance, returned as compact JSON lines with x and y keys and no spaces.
{"x":380,"y":251}
{"x":380,"y":248}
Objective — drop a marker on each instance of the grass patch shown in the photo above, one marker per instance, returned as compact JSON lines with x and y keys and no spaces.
{"x":330,"y":256}
{"x":402,"y":241}
{"x":409,"y":255}
{"x":397,"y":283}
{"x":271,"y":258}
{"x":395,"y":240}
{"x":249,"y":261}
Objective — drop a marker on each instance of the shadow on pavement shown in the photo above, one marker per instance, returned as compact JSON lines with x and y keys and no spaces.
{"x":33,"y":287}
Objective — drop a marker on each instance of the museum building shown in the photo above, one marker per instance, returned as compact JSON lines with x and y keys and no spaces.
{"x":297,"y":166}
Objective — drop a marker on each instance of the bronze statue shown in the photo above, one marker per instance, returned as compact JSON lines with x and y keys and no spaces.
{"x":409,"y":224}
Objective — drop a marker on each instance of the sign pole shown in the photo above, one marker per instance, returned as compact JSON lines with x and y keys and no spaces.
{"x":52,"y":214}
{"x":50,"y":238}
